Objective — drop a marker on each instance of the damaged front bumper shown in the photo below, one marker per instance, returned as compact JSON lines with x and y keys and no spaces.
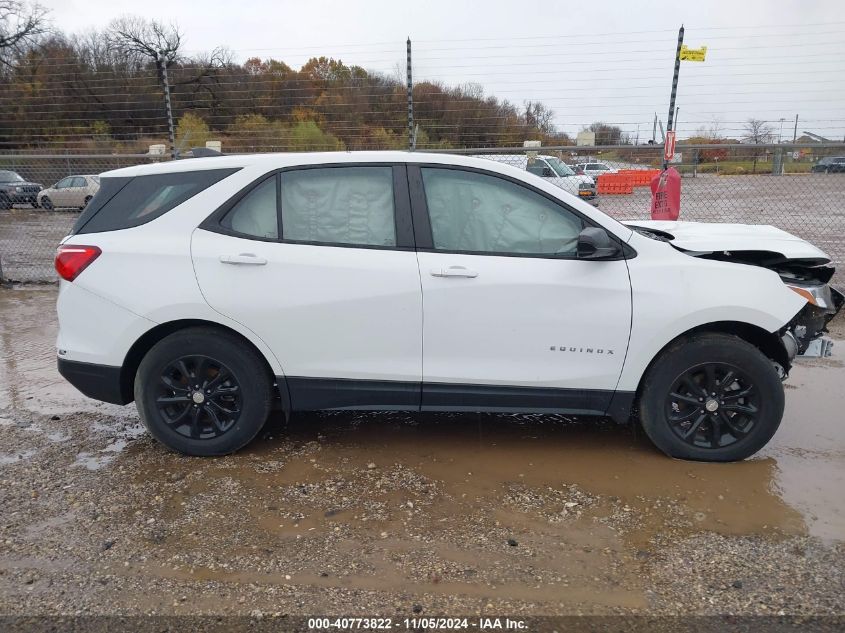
{"x":803,"y":336}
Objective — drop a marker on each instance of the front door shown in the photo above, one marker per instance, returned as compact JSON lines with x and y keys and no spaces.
{"x":319,"y":263}
{"x":512,"y":319}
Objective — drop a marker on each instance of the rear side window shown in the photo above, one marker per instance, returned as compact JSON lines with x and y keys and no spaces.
{"x":122,"y":203}
{"x":339,"y":205}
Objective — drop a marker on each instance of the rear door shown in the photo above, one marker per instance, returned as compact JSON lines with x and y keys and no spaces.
{"x":319,"y":263}
{"x":60,"y":192}
{"x":77,"y":191}
{"x":513,"y":320}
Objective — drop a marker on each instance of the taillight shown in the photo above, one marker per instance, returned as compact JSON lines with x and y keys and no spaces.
{"x":72,"y":260}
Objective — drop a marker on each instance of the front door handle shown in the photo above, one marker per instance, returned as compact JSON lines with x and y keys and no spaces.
{"x":243,"y":259}
{"x":454,"y":271}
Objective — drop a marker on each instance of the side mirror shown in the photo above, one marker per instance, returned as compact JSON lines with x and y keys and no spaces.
{"x":547,"y":172}
{"x":595,"y":243}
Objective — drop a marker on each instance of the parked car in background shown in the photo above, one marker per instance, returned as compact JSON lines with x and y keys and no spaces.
{"x":209,"y":290}
{"x":594,"y":169}
{"x":73,"y":191}
{"x":552,"y":169}
{"x":830,"y":165}
{"x":14,"y":189}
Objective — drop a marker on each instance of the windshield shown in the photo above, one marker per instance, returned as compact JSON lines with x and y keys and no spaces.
{"x":560,"y":168}
{"x":9,"y":176}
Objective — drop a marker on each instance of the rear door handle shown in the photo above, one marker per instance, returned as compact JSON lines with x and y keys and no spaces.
{"x":243,"y":259}
{"x":454,"y":271}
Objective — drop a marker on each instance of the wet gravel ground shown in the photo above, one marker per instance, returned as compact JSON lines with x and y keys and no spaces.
{"x":403,"y":515}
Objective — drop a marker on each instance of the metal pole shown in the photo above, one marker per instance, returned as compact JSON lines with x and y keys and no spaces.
{"x":669,"y":125}
{"x":161,"y":60}
{"x":412,"y":145}
{"x":795,"y":131}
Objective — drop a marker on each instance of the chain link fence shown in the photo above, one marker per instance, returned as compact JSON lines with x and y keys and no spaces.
{"x":798,"y":188}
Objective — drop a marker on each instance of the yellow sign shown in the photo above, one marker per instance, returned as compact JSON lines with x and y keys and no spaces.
{"x":693,"y":54}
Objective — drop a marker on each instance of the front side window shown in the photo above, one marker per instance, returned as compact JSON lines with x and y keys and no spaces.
{"x":64,"y":183}
{"x":339,"y":205}
{"x":255,"y":214}
{"x":478,"y":213}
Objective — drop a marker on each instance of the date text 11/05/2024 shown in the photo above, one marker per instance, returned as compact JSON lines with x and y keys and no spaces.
{"x":425,"y":623}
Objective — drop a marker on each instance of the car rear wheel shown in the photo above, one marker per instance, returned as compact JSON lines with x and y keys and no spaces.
{"x":201,"y":391}
{"x":5,"y":202}
{"x":46,"y":203}
{"x":711,"y":397}
{"x":85,"y":202}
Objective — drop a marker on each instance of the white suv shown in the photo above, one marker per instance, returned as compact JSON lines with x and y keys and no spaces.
{"x":209,"y":289}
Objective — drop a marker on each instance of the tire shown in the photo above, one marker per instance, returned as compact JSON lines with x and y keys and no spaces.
{"x":5,"y":202}
{"x":220,"y":424}
{"x":46,"y":203}
{"x":733,"y":425}
{"x":85,"y":202}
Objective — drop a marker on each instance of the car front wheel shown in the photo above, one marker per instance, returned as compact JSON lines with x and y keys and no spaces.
{"x":46,"y":203}
{"x":201,"y":391}
{"x":711,"y":397}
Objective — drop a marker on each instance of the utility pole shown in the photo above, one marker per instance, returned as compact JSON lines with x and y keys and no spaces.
{"x":669,"y":125}
{"x":161,"y":61}
{"x":795,"y":131}
{"x":780,"y":131}
{"x":654,"y":129}
{"x":412,"y":141}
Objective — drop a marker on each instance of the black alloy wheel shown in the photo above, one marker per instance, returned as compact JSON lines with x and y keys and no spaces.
{"x":712,"y":405}
{"x":711,"y":396}
{"x":199,"y":397}
{"x":203,"y":391}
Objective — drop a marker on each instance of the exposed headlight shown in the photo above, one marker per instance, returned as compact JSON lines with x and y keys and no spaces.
{"x":818,"y":296}
{"x":18,"y":188}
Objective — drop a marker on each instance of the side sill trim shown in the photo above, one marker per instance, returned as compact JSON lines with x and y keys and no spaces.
{"x":313,"y":394}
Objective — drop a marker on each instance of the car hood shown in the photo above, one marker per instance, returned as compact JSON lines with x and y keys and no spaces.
{"x":706,"y":237}
{"x":569,"y":182}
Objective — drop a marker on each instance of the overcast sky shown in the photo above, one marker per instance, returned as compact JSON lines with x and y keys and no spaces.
{"x":609,"y":60}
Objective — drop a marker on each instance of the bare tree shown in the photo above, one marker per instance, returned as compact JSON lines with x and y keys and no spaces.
{"x":756,"y":133}
{"x":142,"y":38}
{"x":539,"y":117}
{"x":21,"y":23}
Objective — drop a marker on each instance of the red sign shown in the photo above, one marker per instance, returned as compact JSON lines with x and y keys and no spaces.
{"x":666,"y":195}
{"x":669,"y":146}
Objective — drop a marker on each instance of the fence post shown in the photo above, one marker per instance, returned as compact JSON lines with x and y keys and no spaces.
{"x":673,"y":94}
{"x":412,"y":140}
{"x":162,"y":61}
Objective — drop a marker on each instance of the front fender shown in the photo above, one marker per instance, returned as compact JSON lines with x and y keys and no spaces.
{"x":673,"y":293}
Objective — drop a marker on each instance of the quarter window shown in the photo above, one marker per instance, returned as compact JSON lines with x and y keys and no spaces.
{"x":477,"y":213}
{"x":123,"y":202}
{"x":255,"y":214}
{"x":339,"y":205}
